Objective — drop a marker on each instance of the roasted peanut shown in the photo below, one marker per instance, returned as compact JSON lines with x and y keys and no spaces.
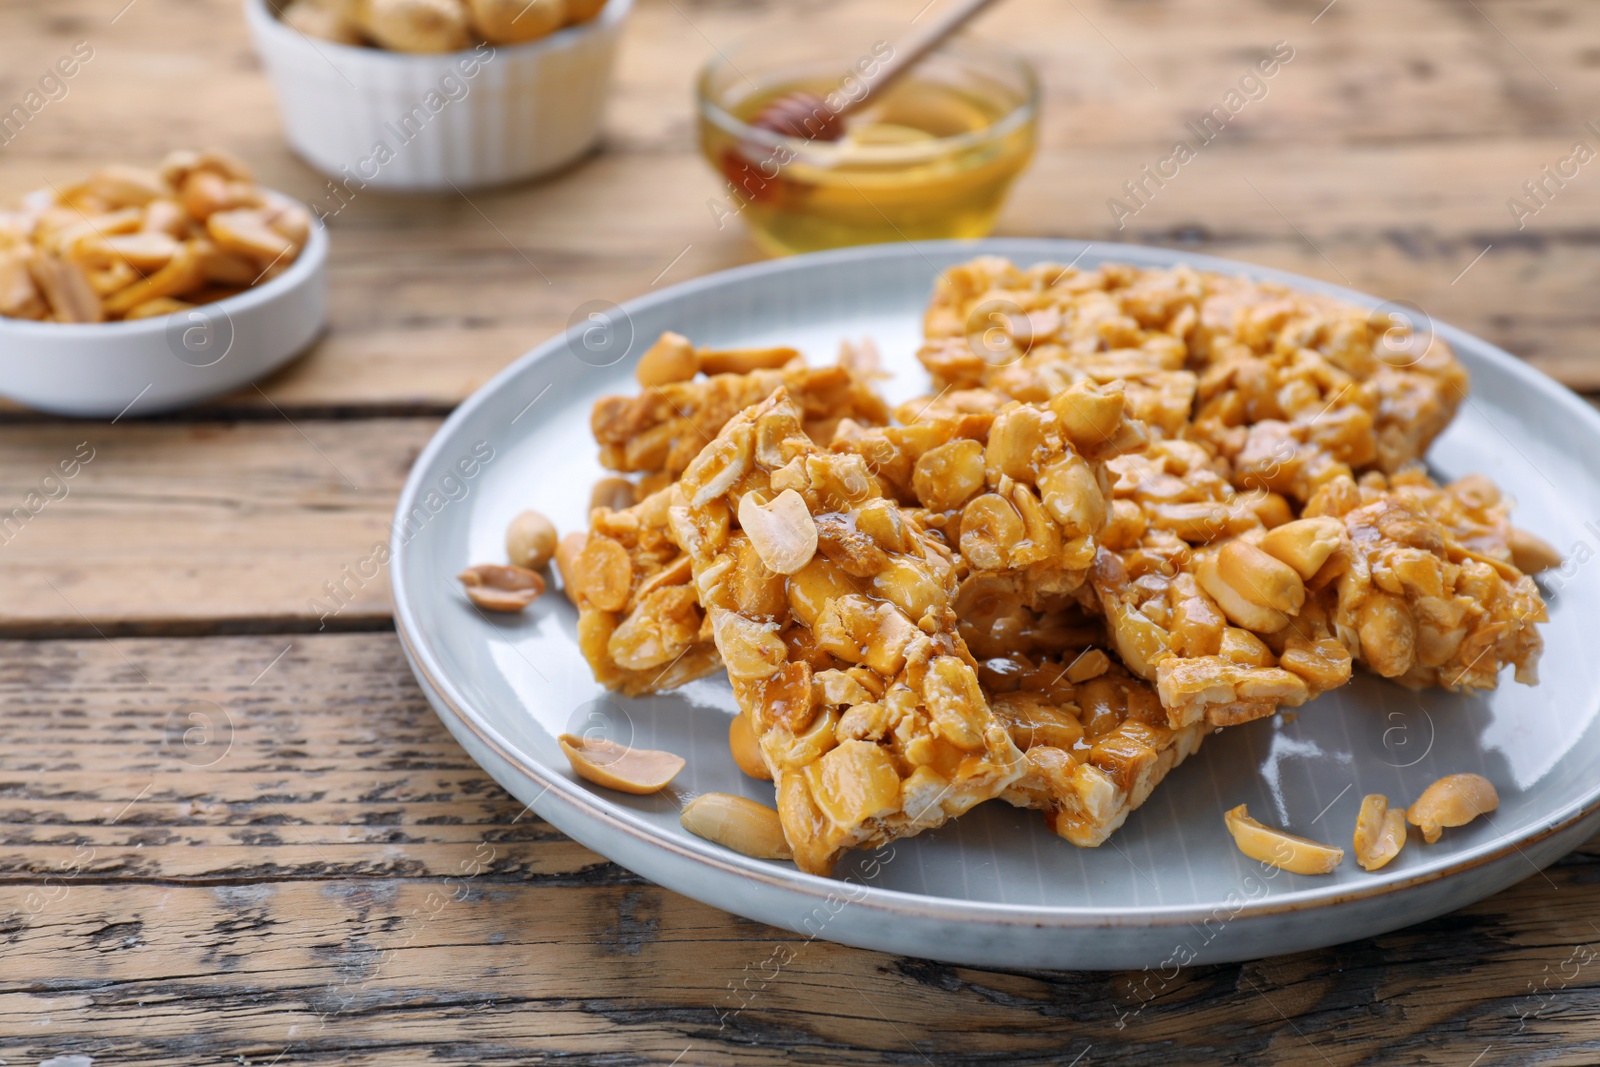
{"x":627,"y":770}
{"x":1388,"y":634}
{"x":530,"y":540}
{"x":516,"y":21}
{"x":1454,"y":800}
{"x":315,"y":20}
{"x":1090,"y":415}
{"x":990,"y":528}
{"x":746,"y":751}
{"x":1088,"y":664}
{"x":120,"y":185}
{"x":671,"y":359}
{"x":1531,"y":554}
{"x":1297,"y":855}
{"x":246,"y":232}
{"x":67,"y":289}
{"x":1241,"y":610}
{"x":144,"y":251}
{"x":1242,"y":646}
{"x":744,"y":360}
{"x":567,"y":551}
{"x":854,"y":781}
{"x":1072,"y":496}
{"x":782,"y":531}
{"x":602,"y":573}
{"x":1260,"y":578}
{"x":748,"y":828}
{"x":947,"y":475}
{"x":497,"y":588}
{"x":1304,"y":544}
{"x":1380,"y":832}
{"x":417,"y":25}
{"x":613,"y":493}
{"x":154,"y":308}
{"x":20,"y":297}
{"x":750,"y":649}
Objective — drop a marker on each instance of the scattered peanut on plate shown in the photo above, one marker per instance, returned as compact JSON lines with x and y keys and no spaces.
{"x":134,"y":242}
{"x":1278,"y":848}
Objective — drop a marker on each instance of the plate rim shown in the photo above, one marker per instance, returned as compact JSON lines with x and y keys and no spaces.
{"x":586,"y":803}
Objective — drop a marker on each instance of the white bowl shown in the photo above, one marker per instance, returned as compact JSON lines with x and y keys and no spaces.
{"x":99,"y":370}
{"x":390,"y":120}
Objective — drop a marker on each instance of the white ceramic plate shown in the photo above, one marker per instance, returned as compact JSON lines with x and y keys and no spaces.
{"x":994,"y":887}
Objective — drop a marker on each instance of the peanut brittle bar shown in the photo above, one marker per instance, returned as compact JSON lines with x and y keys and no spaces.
{"x":1030,"y":333}
{"x":832,"y":612}
{"x":1296,"y":389}
{"x":1173,"y":617}
{"x":659,"y":431}
{"x":1424,"y":588}
{"x":1017,"y":487}
{"x":640,"y":624}
{"x":1096,"y":739}
{"x":1291,"y":388}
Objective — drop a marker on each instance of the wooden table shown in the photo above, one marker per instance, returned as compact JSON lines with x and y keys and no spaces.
{"x":232,"y":835}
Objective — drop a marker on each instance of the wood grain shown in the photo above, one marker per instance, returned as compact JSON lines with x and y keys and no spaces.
{"x":170,"y":526}
{"x":327,"y":878}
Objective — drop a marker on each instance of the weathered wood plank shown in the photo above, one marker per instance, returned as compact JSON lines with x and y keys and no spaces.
{"x":246,"y":759}
{"x":175,"y":526}
{"x":473,"y":971}
{"x":1392,"y":139}
{"x":422,"y":910}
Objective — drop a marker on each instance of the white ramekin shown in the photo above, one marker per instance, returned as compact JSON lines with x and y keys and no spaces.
{"x":525,"y":110}
{"x":108,"y":369}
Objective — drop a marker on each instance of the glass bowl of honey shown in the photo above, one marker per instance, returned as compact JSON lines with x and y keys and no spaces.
{"x":931,"y":156}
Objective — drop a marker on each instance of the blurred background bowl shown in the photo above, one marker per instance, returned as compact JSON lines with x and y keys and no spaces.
{"x":101,"y":370}
{"x":488,"y":116}
{"x":930,"y":158}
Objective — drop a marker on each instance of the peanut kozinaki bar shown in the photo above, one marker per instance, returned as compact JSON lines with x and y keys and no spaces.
{"x":1423,"y":588}
{"x":659,"y":431}
{"x":1291,"y":389}
{"x":1133,"y":515}
{"x":1018,"y":488}
{"x":1175,"y":616}
{"x":1031,"y":333}
{"x":1096,"y":739}
{"x":833,"y":615}
{"x":640,"y":624}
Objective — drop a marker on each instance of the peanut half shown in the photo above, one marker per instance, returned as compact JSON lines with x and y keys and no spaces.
{"x":744,"y":360}
{"x":782,"y":532}
{"x":614,"y":493}
{"x":748,"y":828}
{"x":1304,"y":544}
{"x":627,"y":770}
{"x":671,"y":359}
{"x":1297,"y":855}
{"x":1380,"y":832}
{"x":1453,"y":800}
{"x":1530,"y":554}
{"x":746,"y":752}
{"x":495,"y":587}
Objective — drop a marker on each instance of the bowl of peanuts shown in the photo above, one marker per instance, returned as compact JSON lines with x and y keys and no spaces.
{"x":139,"y":290}
{"x":437,"y":95}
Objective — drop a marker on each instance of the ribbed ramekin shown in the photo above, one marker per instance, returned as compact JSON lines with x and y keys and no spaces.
{"x":389,"y":120}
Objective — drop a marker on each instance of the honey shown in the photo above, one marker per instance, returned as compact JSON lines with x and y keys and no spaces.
{"x":930,"y":160}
